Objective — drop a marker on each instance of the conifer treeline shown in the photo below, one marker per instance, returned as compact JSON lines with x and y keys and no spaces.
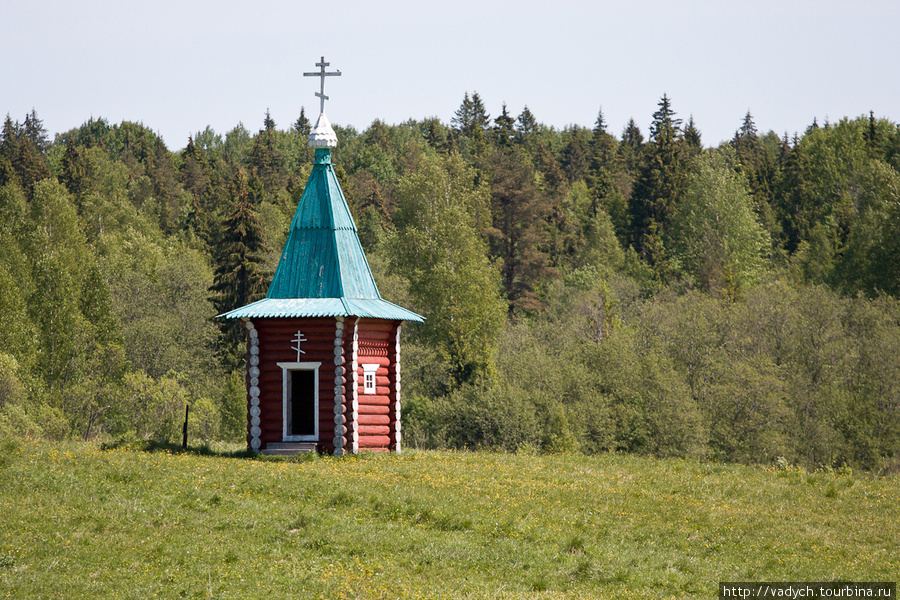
{"x":584,"y":290}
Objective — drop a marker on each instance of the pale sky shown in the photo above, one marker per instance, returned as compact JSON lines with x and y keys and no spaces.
{"x":178,"y":66}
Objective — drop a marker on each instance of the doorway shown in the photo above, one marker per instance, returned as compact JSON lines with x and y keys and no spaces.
{"x":300,"y":401}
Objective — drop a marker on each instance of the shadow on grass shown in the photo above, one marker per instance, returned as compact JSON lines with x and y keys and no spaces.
{"x":152,"y":446}
{"x":173,"y":448}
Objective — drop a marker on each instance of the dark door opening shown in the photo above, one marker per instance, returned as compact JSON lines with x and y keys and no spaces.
{"x":301,"y":403}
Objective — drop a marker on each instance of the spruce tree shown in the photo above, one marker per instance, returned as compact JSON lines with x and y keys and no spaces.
{"x":9,"y":149}
{"x":268,"y":122}
{"x":72,"y":175}
{"x":519,"y":238}
{"x":193,"y":168}
{"x":241,"y":276}
{"x":462,"y":118}
{"x":602,"y":147}
{"x":33,"y":130}
{"x":22,"y":152}
{"x":166,"y":187}
{"x":526,"y":124}
{"x":692,"y":137}
{"x":632,"y":136}
{"x":547,"y":164}
{"x":574,"y":157}
{"x":301,"y":125}
{"x":480,"y":117}
{"x":435,"y":135}
{"x":504,"y":130}
{"x":665,"y":127}
{"x":793,"y":194}
{"x":754,"y":164}
{"x":604,"y":168}
{"x":661,"y":183}
{"x":876,"y":138}
{"x":265,"y":158}
{"x":470,"y":122}
{"x":630,"y":148}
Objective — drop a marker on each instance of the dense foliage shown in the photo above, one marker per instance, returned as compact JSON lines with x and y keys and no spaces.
{"x":584,"y":292}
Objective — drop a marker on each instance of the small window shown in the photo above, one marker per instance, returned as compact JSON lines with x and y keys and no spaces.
{"x":369,"y":378}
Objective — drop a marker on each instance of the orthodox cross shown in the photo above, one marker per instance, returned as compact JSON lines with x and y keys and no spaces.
{"x":298,"y":339}
{"x":321,"y":73}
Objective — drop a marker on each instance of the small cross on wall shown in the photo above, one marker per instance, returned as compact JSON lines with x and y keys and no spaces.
{"x":322,"y":74}
{"x":297,"y":340}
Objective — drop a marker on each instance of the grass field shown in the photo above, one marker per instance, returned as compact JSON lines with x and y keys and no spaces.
{"x":81,"y":522}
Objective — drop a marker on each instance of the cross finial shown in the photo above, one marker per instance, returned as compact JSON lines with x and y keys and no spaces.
{"x":322,"y":74}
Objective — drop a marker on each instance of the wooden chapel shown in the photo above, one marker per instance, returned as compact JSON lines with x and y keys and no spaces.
{"x":323,"y":347}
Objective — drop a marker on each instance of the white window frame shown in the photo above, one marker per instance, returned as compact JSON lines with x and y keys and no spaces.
{"x":369,"y":370}
{"x":286,"y":368}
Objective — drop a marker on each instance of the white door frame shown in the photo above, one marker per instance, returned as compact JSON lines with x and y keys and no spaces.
{"x":286,"y":368}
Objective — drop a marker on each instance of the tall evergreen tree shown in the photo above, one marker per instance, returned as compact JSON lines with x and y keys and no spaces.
{"x":436,"y":135}
{"x":462,"y":118}
{"x":22,"y":149}
{"x":602,"y":147}
{"x":546,"y":163}
{"x":574,"y":158}
{"x":193,"y":168}
{"x":9,"y":150}
{"x":268,"y":122}
{"x":873,"y":137}
{"x":526,"y":124}
{"x":692,"y":137}
{"x":504,"y":130}
{"x":72,"y":175}
{"x":241,"y":276}
{"x":604,"y":169}
{"x":518,"y":239}
{"x":664,"y":127}
{"x":470,"y":123}
{"x":302,"y":125}
{"x":747,"y":145}
{"x":630,"y":148}
{"x":660,"y":185}
{"x":265,"y":158}
{"x":754,"y":164}
{"x":203,"y":179}
{"x":632,"y":136}
{"x":33,"y":129}
{"x":301,"y":129}
{"x":600,"y":123}
{"x":793,"y":193}
{"x":480,"y":117}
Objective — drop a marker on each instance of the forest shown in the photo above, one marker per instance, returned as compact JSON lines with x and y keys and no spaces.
{"x":584,"y":290}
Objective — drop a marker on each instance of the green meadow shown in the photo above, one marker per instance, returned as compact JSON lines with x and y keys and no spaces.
{"x":79,"y":521}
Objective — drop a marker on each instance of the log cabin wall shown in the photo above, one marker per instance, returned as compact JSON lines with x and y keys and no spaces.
{"x":378,"y":412}
{"x":275,"y":343}
{"x":350,"y":418}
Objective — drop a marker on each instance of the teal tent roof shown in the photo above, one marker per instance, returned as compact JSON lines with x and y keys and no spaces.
{"x":323,"y":270}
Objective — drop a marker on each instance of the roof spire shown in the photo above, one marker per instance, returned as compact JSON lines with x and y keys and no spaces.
{"x":322,"y":135}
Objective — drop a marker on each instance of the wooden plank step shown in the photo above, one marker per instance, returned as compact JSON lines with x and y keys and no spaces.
{"x":288,"y":448}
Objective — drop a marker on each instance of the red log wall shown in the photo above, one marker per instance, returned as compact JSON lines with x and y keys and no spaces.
{"x":372,"y":422}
